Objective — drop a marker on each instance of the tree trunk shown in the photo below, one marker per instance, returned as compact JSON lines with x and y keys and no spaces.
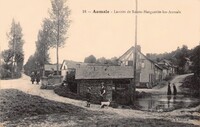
{"x":57,"y":59}
{"x":58,"y":35}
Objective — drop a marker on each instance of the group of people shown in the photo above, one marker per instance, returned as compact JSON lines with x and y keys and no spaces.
{"x":35,"y":76}
{"x":102,"y":95}
{"x":169,"y":92}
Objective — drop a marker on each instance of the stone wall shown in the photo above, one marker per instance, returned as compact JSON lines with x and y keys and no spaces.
{"x":52,"y":80}
{"x":95,"y":86}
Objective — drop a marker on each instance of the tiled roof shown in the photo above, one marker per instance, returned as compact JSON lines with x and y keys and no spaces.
{"x":104,"y":72}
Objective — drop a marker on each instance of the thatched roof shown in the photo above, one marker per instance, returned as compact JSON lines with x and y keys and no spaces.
{"x":104,"y":72}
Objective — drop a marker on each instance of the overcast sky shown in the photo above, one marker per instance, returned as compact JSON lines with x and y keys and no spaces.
{"x":108,"y":34}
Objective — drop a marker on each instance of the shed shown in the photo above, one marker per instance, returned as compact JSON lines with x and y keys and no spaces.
{"x":93,"y":76}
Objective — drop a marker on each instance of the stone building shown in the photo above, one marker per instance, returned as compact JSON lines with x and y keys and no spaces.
{"x":113,"y":77}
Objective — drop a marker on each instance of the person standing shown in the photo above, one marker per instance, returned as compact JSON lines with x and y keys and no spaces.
{"x":38,"y":77}
{"x":169,"y":92}
{"x":102,"y":94}
{"x":88,"y":96}
{"x":174,"y":89}
{"x":32,"y":77}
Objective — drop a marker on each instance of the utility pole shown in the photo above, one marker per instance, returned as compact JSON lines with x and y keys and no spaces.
{"x":133,"y":86}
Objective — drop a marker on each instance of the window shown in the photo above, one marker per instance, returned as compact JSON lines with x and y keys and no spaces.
{"x":130,"y":63}
{"x":142,"y":63}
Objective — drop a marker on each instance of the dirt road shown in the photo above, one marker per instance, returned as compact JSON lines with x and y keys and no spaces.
{"x":183,"y":115}
{"x":177,"y":80}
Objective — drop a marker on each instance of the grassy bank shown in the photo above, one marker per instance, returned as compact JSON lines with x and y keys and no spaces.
{"x":16,"y":104}
{"x":20,"y":109}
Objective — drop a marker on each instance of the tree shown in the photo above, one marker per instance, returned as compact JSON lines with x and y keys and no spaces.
{"x":90,"y":59}
{"x":15,"y":44}
{"x":60,"y":24}
{"x":102,"y":60}
{"x":43,"y":43}
{"x":41,"y":55}
{"x":7,"y":55}
{"x":114,"y":61}
{"x":6,"y":64}
{"x":30,"y":65}
{"x":195,"y":58}
{"x":181,"y":56}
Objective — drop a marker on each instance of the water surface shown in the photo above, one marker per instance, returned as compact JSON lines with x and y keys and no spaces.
{"x":166,"y":102}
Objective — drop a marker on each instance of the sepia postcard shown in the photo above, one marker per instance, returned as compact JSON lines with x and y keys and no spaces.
{"x":99,"y":63}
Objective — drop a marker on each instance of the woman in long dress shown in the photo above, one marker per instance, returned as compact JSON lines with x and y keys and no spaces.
{"x":174,"y":89}
{"x":169,"y":92}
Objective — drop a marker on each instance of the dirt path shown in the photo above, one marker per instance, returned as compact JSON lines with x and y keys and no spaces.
{"x":25,"y":85}
{"x":177,"y":81}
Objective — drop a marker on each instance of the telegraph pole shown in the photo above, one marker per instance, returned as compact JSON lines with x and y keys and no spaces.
{"x":135,"y":53}
{"x":133,"y":86}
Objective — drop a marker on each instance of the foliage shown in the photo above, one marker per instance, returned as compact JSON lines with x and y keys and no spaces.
{"x":16,"y":44}
{"x":7,"y":56}
{"x":66,"y":92}
{"x":13,"y":57}
{"x":43,"y":43}
{"x":90,"y":59}
{"x":15,"y":37}
{"x":193,"y":82}
{"x":30,"y":65}
{"x":60,"y":23}
{"x":102,"y":60}
{"x":195,"y":58}
{"x":181,"y":59}
{"x":41,"y":56}
{"x":4,"y":73}
{"x":177,"y":57}
{"x":114,"y":61}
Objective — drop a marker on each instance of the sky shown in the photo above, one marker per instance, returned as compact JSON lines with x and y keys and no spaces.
{"x":108,"y":34}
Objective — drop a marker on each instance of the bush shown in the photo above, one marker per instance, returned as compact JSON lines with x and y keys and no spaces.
{"x":4,"y":73}
{"x":192,"y":83}
{"x":48,"y":87}
{"x":65,"y":92}
{"x":121,"y":97}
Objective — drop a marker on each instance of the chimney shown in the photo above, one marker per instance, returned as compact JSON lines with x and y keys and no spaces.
{"x":148,"y":55}
{"x":138,"y":47}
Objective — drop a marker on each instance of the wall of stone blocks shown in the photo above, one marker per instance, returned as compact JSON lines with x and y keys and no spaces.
{"x":95,"y":86}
